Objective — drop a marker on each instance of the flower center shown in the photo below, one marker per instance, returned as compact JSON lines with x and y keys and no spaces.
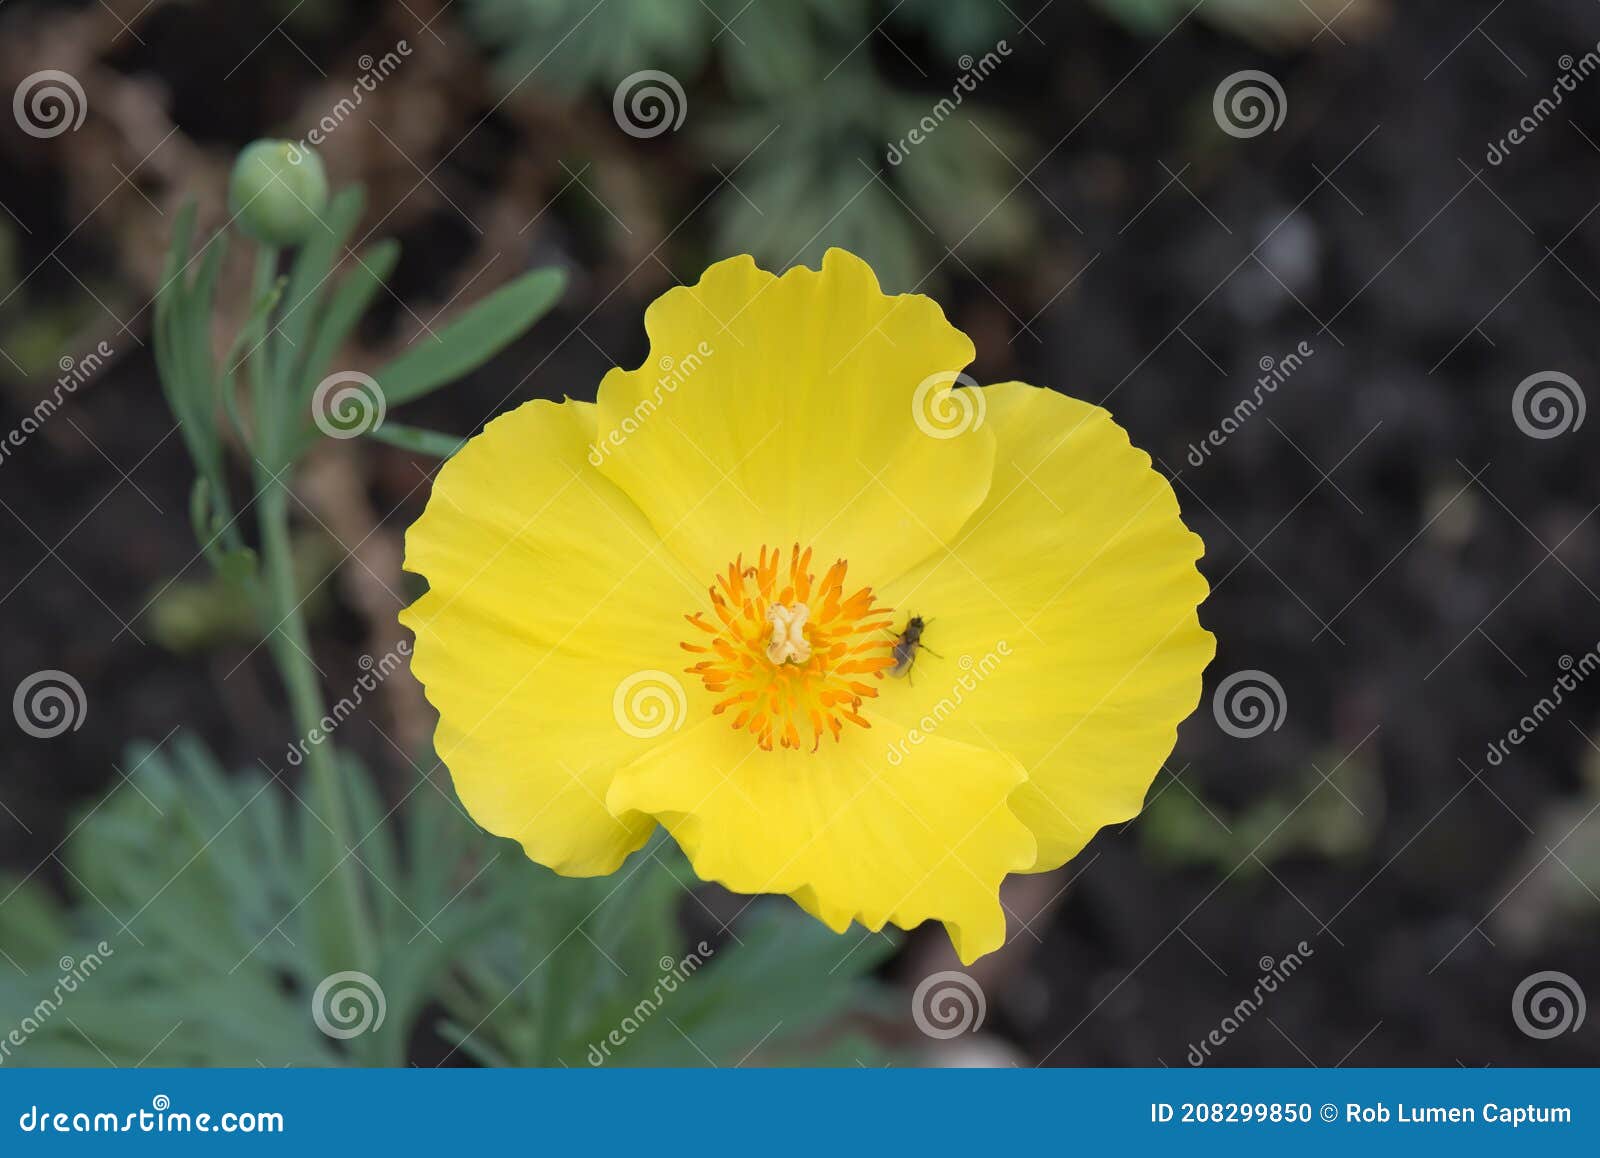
{"x":789,"y":653}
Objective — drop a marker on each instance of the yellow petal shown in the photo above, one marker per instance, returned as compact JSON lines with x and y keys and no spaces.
{"x":778,"y":410}
{"x":1066,"y":619}
{"x":873,"y":830}
{"x":548,"y":592}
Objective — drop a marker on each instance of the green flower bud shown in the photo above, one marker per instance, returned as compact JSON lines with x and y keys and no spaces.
{"x":278,"y":191}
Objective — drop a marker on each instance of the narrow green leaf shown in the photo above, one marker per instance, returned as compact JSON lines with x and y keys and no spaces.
{"x":350,"y":300}
{"x":308,"y":280}
{"x":417,"y":439}
{"x":473,"y":338}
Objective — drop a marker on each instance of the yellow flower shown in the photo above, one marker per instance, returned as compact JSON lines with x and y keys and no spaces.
{"x":684,"y":604}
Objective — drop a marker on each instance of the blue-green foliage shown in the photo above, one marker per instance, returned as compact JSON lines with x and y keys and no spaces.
{"x":219,"y":916}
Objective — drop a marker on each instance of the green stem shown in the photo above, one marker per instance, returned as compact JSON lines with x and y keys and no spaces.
{"x":289,"y":639}
{"x":265,"y":408}
{"x":292,"y":648}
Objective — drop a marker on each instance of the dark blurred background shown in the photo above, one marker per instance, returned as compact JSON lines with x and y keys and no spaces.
{"x":1397,"y":538}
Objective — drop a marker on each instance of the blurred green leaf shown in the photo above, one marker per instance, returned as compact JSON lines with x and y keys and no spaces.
{"x":471,"y":339}
{"x":1333,"y":817}
{"x":418,"y":440}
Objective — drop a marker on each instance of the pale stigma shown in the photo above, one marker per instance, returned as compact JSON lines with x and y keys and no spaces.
{"x":788,"y":639}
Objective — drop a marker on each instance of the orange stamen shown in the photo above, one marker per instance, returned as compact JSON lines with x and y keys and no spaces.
{"x":786,"y":671}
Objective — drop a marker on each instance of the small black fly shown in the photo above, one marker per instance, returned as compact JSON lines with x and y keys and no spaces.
{"x":907,"y":644}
